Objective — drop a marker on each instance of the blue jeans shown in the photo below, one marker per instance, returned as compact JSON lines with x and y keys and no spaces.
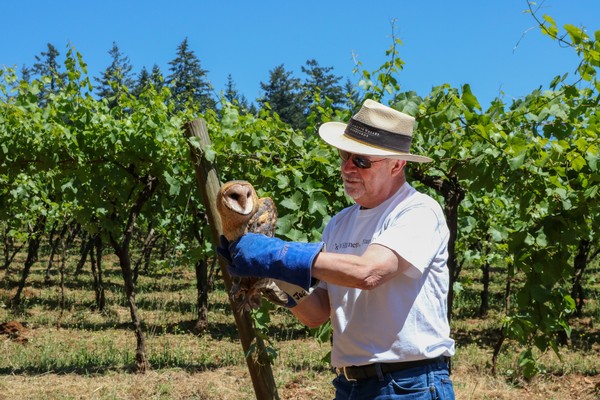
{"x":429,"y":382}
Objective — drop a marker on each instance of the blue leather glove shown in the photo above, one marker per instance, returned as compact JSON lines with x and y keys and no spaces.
{"x":264,"y":257}
{"x":223,"y":249}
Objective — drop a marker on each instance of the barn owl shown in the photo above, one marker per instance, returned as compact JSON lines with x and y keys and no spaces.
{"x":242,"y":211}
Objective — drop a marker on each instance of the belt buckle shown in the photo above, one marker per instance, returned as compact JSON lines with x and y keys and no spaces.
{"x":346,"y":375}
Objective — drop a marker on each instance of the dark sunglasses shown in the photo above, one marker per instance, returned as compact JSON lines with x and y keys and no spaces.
{"x":358,"y":161}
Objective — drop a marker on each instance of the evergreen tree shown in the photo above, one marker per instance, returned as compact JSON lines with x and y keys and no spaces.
{"x":231,"y":93}
{"x":156,"y":77}
{"x":47,"y":66}
{"x":26,"y":73}
{"x":117,"y":77}
{"x":321,"y":80}
{"x":233,"y":96}
{"x":253,"y":109}
{"x":352,"y":98}
{"x":146,"y":78}
{"x":187,"y":80}
{"x":284,"y":94}
{"x":143,"y":80}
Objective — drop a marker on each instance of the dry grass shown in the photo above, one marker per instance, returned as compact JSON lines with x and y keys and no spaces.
{"x":233,"y":383}
{"x":88,"y":355}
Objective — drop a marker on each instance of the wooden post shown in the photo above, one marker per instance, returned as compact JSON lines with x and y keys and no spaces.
{"x":208,"y":183}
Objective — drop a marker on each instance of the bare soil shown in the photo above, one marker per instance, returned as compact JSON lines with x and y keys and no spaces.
{"x":14,"y":331}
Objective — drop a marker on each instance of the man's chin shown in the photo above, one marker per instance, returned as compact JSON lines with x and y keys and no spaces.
{"x":352,"y":192}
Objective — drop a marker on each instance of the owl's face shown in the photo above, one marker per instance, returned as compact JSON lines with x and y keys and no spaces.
{"x":237,"y":197}
{"x":237,"y":202}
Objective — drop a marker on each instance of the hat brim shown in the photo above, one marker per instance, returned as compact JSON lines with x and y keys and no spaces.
{"x":333,"y":134}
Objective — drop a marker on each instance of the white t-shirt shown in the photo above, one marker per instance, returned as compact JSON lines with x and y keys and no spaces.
{"x":405,"y":318}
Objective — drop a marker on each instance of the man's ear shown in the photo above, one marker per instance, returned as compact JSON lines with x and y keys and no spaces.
{"x":398,"y":166}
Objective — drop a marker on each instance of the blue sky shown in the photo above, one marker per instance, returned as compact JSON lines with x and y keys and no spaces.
{"x":492,"y":45}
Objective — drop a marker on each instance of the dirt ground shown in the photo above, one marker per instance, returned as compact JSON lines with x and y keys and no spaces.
{"x":14,"y":331}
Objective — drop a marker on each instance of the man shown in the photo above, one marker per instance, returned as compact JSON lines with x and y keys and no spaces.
{"x":381,"y":266}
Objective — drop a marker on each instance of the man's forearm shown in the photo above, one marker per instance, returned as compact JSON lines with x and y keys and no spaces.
{"x":314,"y":311}
{"x":377,"y":265}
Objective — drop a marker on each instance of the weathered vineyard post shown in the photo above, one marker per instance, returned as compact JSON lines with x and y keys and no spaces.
{"x":208,"y":183}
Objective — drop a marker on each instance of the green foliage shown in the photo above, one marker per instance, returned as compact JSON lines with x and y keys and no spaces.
{"x":261,"y":318}
{"x":293,"y":168}
{"x":519,"y":182}
{"x":383,"y":82}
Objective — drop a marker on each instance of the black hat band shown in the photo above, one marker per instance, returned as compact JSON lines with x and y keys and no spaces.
{"x":378,"y":137}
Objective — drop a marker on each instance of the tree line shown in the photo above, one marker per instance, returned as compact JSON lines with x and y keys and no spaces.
{"x":290,"y":97}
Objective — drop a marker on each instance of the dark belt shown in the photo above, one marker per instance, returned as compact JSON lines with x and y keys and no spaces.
{"x":355,"y":373}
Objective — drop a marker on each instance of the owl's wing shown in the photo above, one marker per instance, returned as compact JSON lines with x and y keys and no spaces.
{"x":274,"y":294}
{"x":247,"y":292}
{"x":265,"y":219}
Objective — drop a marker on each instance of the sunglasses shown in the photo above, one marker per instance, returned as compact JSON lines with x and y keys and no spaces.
{"x":358,"y":161}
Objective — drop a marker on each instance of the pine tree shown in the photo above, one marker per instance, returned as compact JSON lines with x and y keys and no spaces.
{"x":321,"y":80}
{"x":352,"y":98}
{"x":156,"y":77}
{"x":285,"y":96}
{"x":26,"y":73}
{"x":187,"y":80}
{"x":146,"y":78}
{"x":47,"y":66}
{"x":143,"y":80}
{"x":117,"y":77}
{"x":233,"y":96}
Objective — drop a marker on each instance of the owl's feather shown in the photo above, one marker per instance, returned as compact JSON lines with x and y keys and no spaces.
{"x":242,"y":211}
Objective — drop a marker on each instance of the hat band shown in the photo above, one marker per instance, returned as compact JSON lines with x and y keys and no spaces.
{"x":378,"y":137}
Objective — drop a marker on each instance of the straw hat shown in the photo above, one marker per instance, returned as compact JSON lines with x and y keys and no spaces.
{"x":375,"y":130}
